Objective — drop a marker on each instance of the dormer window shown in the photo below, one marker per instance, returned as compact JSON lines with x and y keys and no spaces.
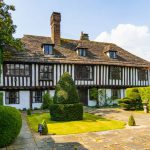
{"x":81,"y":52}
{"x":48,"y":49}
{"x":112,"y":54}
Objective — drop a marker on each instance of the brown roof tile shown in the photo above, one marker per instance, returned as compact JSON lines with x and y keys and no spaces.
{"x":66,"y":53}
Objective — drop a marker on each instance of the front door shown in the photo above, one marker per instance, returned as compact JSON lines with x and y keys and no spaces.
{"x":83,"y":94}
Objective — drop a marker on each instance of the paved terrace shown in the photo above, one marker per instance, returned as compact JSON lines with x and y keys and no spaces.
{"x":130,"y":138}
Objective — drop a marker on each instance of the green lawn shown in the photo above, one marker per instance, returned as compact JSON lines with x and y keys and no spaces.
{"x":90,"y":123}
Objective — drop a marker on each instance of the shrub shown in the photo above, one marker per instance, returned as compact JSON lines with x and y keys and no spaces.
{"x":131,"y":121}
{"x":1,"y":98}
{"x":132,"y":101}
{"x":133,"y":93}
{"x":29,"y":111}
{"x":65,"y":91}
{"x":44,"y":127}
{"x":144,"y":93}
{"x":10,"y":125}
{"x":66,"y":105}
{"x":47,"y":101}
{"x":127,"y":104}
{"x":66,"y":112}
{"x":93,"y":93}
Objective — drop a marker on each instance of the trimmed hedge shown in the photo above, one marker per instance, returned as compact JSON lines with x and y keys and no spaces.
{"x":10,"y":125}
{"x":66,"y":112}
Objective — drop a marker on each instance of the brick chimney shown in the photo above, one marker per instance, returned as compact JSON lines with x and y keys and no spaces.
{"x":84,"y":36}
{"x":55,"y":27}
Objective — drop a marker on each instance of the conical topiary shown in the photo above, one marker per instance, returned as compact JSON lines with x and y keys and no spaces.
{"x":65,"y":91}
{"x":45,"y":129}
{"x":131,"y":121}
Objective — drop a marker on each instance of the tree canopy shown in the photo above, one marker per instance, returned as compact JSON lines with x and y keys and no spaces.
{"x":7,"y":28}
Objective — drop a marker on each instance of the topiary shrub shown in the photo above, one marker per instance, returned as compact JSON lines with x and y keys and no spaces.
{"x":29,"y":112}
{"x":47,"y":101}
{"x":66,"y":105}
{"x":44,"y":127}
{"x":1,"y":98}
{"x":127,"y":104}
{"x":132,"y":101}
{"x":134,"y":95}
{"x":10,"y":125}
{"x":61,"y":112}
{"x":65,"y":91}
{"x":131,"y":121}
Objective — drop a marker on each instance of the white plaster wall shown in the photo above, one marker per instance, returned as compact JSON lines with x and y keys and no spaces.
{"x":24,"y":99}
{"x":122,"y":93}
{"x":36,"y":105}
{"x":52,"y":92}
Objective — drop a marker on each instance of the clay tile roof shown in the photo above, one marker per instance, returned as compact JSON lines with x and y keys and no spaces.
{"x":66,"y":53}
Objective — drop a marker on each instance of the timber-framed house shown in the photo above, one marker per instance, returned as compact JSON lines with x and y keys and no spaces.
{"x":28,"y":74}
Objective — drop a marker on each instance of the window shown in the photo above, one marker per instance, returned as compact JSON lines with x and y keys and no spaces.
{"x":48,"y":49}
{"x":12,"y":97}
{"x":17,"y":70}
{"x":46,"y":72}
{"x":113,"y":54}
{"x":37,"y":97}
{"x":83,"y":72}
{"x":115,"y":72}
{"x":82,"y":52}
{"x":115,"y":93}
{"x":142,"y":75}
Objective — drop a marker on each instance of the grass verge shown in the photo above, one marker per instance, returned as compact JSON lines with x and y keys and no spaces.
{"x":90,"y":123}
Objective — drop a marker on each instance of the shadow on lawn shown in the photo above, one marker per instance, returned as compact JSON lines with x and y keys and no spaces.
{"x":51,"y":144}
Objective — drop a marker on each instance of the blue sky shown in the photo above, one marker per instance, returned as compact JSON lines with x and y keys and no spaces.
{"x":91,"y":16}
{"x":117,"y":21}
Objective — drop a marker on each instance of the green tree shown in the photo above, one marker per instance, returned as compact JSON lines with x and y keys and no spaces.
{"x":7,"y":29}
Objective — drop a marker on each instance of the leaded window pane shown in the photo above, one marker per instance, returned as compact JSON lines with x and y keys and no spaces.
{"x":17,"y":70}
{"x":115,"y":73}
{"x":12,"y":97}
{"x":142,"y":75}
{"x":83,"y":72}
{"x":37,"y":97}
{"x":46,"y":72}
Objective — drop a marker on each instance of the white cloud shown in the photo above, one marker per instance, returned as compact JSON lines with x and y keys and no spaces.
{"x":135,"y":39}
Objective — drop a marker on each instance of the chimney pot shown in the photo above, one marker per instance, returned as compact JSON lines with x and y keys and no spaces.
{"x":84,"y":36}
